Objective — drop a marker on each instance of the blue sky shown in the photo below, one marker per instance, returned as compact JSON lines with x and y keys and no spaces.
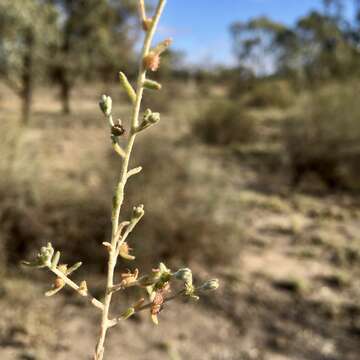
{"x":201,"y":27}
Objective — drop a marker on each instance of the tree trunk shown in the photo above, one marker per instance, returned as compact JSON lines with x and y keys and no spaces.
{"x":65,"y":90}
{"x":27,"y":77}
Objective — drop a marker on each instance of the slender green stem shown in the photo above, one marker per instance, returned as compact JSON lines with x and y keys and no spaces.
{"x":76,"y":287}
{"x":119,"y":192}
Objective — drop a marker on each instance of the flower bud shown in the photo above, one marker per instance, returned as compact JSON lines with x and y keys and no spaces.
{"x":138,"y":212}
{"x":210,"y":285}
{"x":43,"y":258}
{"x":184,"y":274}
{"x":105,"y":104}
{"x":151,"y":117}
{"x":46,"y":254}
{"x":190,"y":291}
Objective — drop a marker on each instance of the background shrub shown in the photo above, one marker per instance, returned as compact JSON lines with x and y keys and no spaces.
{"x":274,"y":93}
{"x":225,"y":122}
{"x":324,"y":139}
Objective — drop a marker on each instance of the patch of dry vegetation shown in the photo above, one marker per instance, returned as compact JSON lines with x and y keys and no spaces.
{"x":324,"y":138}
{"x":225,"y":122}
{"x":288,"y":259}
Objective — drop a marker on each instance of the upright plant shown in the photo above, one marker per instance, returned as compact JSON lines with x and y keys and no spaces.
{"x":159,"y":282}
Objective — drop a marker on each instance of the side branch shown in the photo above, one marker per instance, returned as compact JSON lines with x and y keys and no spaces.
{"x":98,"y":304}
{"x":137,"y":309}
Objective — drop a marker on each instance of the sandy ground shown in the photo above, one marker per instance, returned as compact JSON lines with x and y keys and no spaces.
{"x":291,"y":291}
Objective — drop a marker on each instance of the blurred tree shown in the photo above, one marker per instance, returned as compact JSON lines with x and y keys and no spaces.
{"x":317,"y":48}
{"x":26,"y":28}
{"x":263,"y":44}
{"x":334,"y":9}
{"x":326,"y":51}
{"x":92,"y":32}
{"x":357,"y":11}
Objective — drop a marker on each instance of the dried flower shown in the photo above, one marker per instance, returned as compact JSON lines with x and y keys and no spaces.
{"x":118,"y":129}
{"x":161,"y":47}
{"x":158,"y":301}
{"x":124,"y":251}
{"x":152,"y":61}
{"x":83,"y":289}
{"x":59,"y":283}
{"x":128,"y":278}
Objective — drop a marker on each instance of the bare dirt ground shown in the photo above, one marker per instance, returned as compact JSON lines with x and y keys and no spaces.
{"x":290,"y":291}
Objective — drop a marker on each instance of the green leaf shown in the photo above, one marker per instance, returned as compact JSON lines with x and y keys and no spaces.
{"x":73,"y":268}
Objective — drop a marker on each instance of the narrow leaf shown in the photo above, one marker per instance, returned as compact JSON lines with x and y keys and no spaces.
{"x":55,"y":260}
{"x":127,"y":87}
{"x":128,"y":313}
{"x":152,"y":85}
{"x":73,"y":268}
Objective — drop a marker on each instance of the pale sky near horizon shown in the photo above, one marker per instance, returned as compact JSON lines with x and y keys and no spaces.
{"x":200,"y":28}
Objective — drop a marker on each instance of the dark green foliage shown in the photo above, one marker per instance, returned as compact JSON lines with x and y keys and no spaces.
{"x":271,"y":93}
{"x":320,"y":46}
{"x":225,"y":122}
{"x":325,"y":138}
{"x":26,"y":29}
{"x":91,"y":42}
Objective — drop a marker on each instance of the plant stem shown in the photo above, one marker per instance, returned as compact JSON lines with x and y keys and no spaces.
{"x":76,"y":287}
{"x":119,"y":193}
{"x":116,"y":321}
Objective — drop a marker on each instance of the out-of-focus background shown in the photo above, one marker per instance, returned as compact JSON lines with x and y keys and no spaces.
{"x":252,"y":176}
